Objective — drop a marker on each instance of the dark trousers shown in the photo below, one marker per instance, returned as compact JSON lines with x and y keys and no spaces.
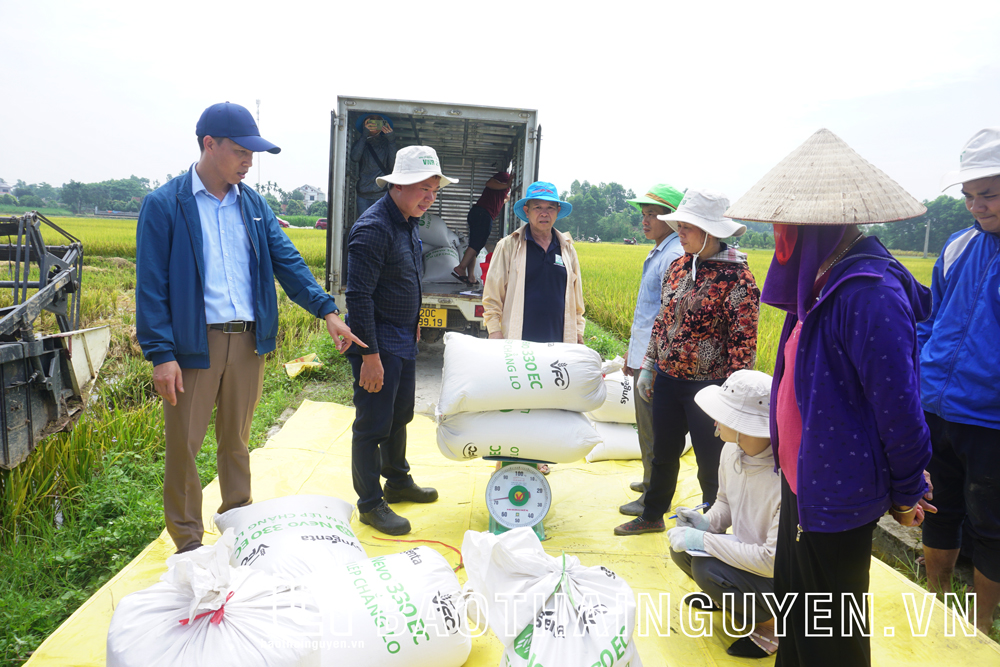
{"x":379,"y":443}
{"x":719,"y":579}
{"x":675,"y":414}
{"x":834,"y":563}
{"x":965,"y":471}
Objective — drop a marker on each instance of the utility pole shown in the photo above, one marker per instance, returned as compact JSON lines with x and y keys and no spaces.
{"x":260,"y":156}
{"x":927,"y":237}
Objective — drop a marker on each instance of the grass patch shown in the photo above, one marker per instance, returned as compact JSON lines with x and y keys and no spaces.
{"x":87,"y":502}
{"x":14,"y":209}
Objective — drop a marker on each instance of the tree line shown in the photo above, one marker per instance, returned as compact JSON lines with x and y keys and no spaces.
{"x":126,"y":195}
{"x":602,"y":210}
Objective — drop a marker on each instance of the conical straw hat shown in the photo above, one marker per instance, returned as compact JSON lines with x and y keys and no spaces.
{"x":824,"y":182}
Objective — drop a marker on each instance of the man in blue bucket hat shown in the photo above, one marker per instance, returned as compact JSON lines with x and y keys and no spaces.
{"x":533,"y":289}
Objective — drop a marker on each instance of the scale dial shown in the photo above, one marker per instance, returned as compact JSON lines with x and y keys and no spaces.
{"x":518,"y":496}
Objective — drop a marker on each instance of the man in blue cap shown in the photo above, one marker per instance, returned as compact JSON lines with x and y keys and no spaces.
{"x":208,"y":250}
{"x":533,"y":289}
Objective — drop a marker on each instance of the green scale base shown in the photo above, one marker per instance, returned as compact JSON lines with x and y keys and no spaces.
{"x":539,"y":527}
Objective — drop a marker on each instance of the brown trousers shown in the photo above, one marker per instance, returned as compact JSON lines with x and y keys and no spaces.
{"x":233,"y":384}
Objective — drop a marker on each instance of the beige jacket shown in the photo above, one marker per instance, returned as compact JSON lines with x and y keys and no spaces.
{"x":503,"y":295}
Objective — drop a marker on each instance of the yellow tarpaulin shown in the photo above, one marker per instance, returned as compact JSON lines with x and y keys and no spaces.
{"x":312,"y":454}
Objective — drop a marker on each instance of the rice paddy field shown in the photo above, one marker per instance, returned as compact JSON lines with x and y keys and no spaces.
{"x":611,"y":276}
{"x":88,"y":501}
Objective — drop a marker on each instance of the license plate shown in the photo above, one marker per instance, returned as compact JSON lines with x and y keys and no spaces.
{"x":433,"y":318}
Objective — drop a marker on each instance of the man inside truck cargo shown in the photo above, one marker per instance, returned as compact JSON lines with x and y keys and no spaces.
{"x":375,"y":152}
{"x":534,"y":290}
{"x":383,"y":301}
{"x":208,"y":249}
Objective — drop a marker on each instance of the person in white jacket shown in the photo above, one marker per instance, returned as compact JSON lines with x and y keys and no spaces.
{"x":728,"y":566}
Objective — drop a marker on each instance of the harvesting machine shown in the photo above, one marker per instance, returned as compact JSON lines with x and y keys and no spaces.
{"x":44,"y":378}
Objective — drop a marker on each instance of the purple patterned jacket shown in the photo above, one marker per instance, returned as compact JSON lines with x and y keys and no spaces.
{"x":864,"y":440}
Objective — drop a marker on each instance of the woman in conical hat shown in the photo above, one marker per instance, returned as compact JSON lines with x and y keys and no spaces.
{"x":847,"y":427}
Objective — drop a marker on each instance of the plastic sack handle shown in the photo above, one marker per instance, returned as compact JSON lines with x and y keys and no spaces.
{"x":216,"y":615}
{"x":561,"y":584}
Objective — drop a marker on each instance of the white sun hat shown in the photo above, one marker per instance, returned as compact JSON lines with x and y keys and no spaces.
{"x":742,"y":403}
{"x":705,"y":210}
{"x":980,"y":158}
{"x":415,"y":164}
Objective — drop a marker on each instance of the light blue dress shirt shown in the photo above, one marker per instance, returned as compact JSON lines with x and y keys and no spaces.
{"x":647,"y":304}
{"x":228,"y":293}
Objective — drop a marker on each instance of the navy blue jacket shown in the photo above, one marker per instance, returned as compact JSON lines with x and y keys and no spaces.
{"x":383,"y":280}
{"x":169,"y":297}
{"x":959,"y":354}
{"x":864,"y":440}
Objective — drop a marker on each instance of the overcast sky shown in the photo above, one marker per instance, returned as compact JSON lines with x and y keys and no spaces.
{"x":696,"y":94}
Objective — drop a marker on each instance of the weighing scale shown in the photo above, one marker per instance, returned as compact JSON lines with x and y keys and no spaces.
{"x":518,"y":495}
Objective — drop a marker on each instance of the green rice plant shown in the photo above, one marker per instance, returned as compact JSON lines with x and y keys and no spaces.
{"x":611,"y":276}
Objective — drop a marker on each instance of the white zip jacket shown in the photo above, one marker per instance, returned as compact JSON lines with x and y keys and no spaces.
{"x":749,"y":500}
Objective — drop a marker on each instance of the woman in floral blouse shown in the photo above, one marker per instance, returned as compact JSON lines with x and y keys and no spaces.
{"x":706,"y":330}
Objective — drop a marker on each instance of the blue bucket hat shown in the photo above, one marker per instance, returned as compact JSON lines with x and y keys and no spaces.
{"x":546,"y":191}
{"x":233,"y":122}
{"x":359,"y":124}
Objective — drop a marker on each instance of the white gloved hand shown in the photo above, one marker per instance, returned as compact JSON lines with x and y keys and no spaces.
{"x":689,"y":518}
{"x":644,"y":385}
{"x":683,"y":539}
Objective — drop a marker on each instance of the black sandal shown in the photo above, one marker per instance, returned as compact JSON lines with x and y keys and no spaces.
{"x":461,"y":278}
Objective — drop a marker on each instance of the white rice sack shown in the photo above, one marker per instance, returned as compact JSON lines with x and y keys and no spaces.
{"x":548,"y":610}
{"x":612,"y":365}
{"x":294,"y":535}
{"x":481,"y":375}
{"x":554,"y":436}
{"x":477,"y":269}
{"x":433,"y":230}
{"x":619,"y":406}
{"x":439,"y":263}
{"x":206,"y":612}
{"x":620,"y":442}
{"x":392,"y":611}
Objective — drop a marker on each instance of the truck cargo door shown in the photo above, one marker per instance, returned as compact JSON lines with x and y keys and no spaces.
{"x":538,"y":151}
{"x":334,"y":206}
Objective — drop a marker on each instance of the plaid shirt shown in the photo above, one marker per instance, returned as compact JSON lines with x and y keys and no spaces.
{"x":383,"y":280}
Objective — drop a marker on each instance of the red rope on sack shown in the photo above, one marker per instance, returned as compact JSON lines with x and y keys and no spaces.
{"x":216,"y":615}
{"x":461,"y":563}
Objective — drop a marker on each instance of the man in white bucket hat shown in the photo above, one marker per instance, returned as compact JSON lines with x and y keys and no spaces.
{"x":705,"y":331}
{"x":959,"y":358}
{"x":383,"y":303}
{"x":749,"y":500}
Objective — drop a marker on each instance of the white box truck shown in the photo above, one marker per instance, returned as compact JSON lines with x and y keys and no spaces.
{"x":473,"y":143}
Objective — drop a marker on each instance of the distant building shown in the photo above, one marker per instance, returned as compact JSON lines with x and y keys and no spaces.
{"x":312,"y":194}
{"x":4,"y":188}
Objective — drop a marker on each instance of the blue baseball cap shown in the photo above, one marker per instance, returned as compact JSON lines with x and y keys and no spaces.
{"x":233,"y":122}
{"x":546,"y":191}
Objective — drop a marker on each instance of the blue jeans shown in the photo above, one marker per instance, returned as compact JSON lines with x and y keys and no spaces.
{"x":379,"y":443}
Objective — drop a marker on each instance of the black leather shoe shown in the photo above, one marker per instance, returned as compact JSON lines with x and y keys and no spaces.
{"x":384,"y":520}
{"x":411,"y":494}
